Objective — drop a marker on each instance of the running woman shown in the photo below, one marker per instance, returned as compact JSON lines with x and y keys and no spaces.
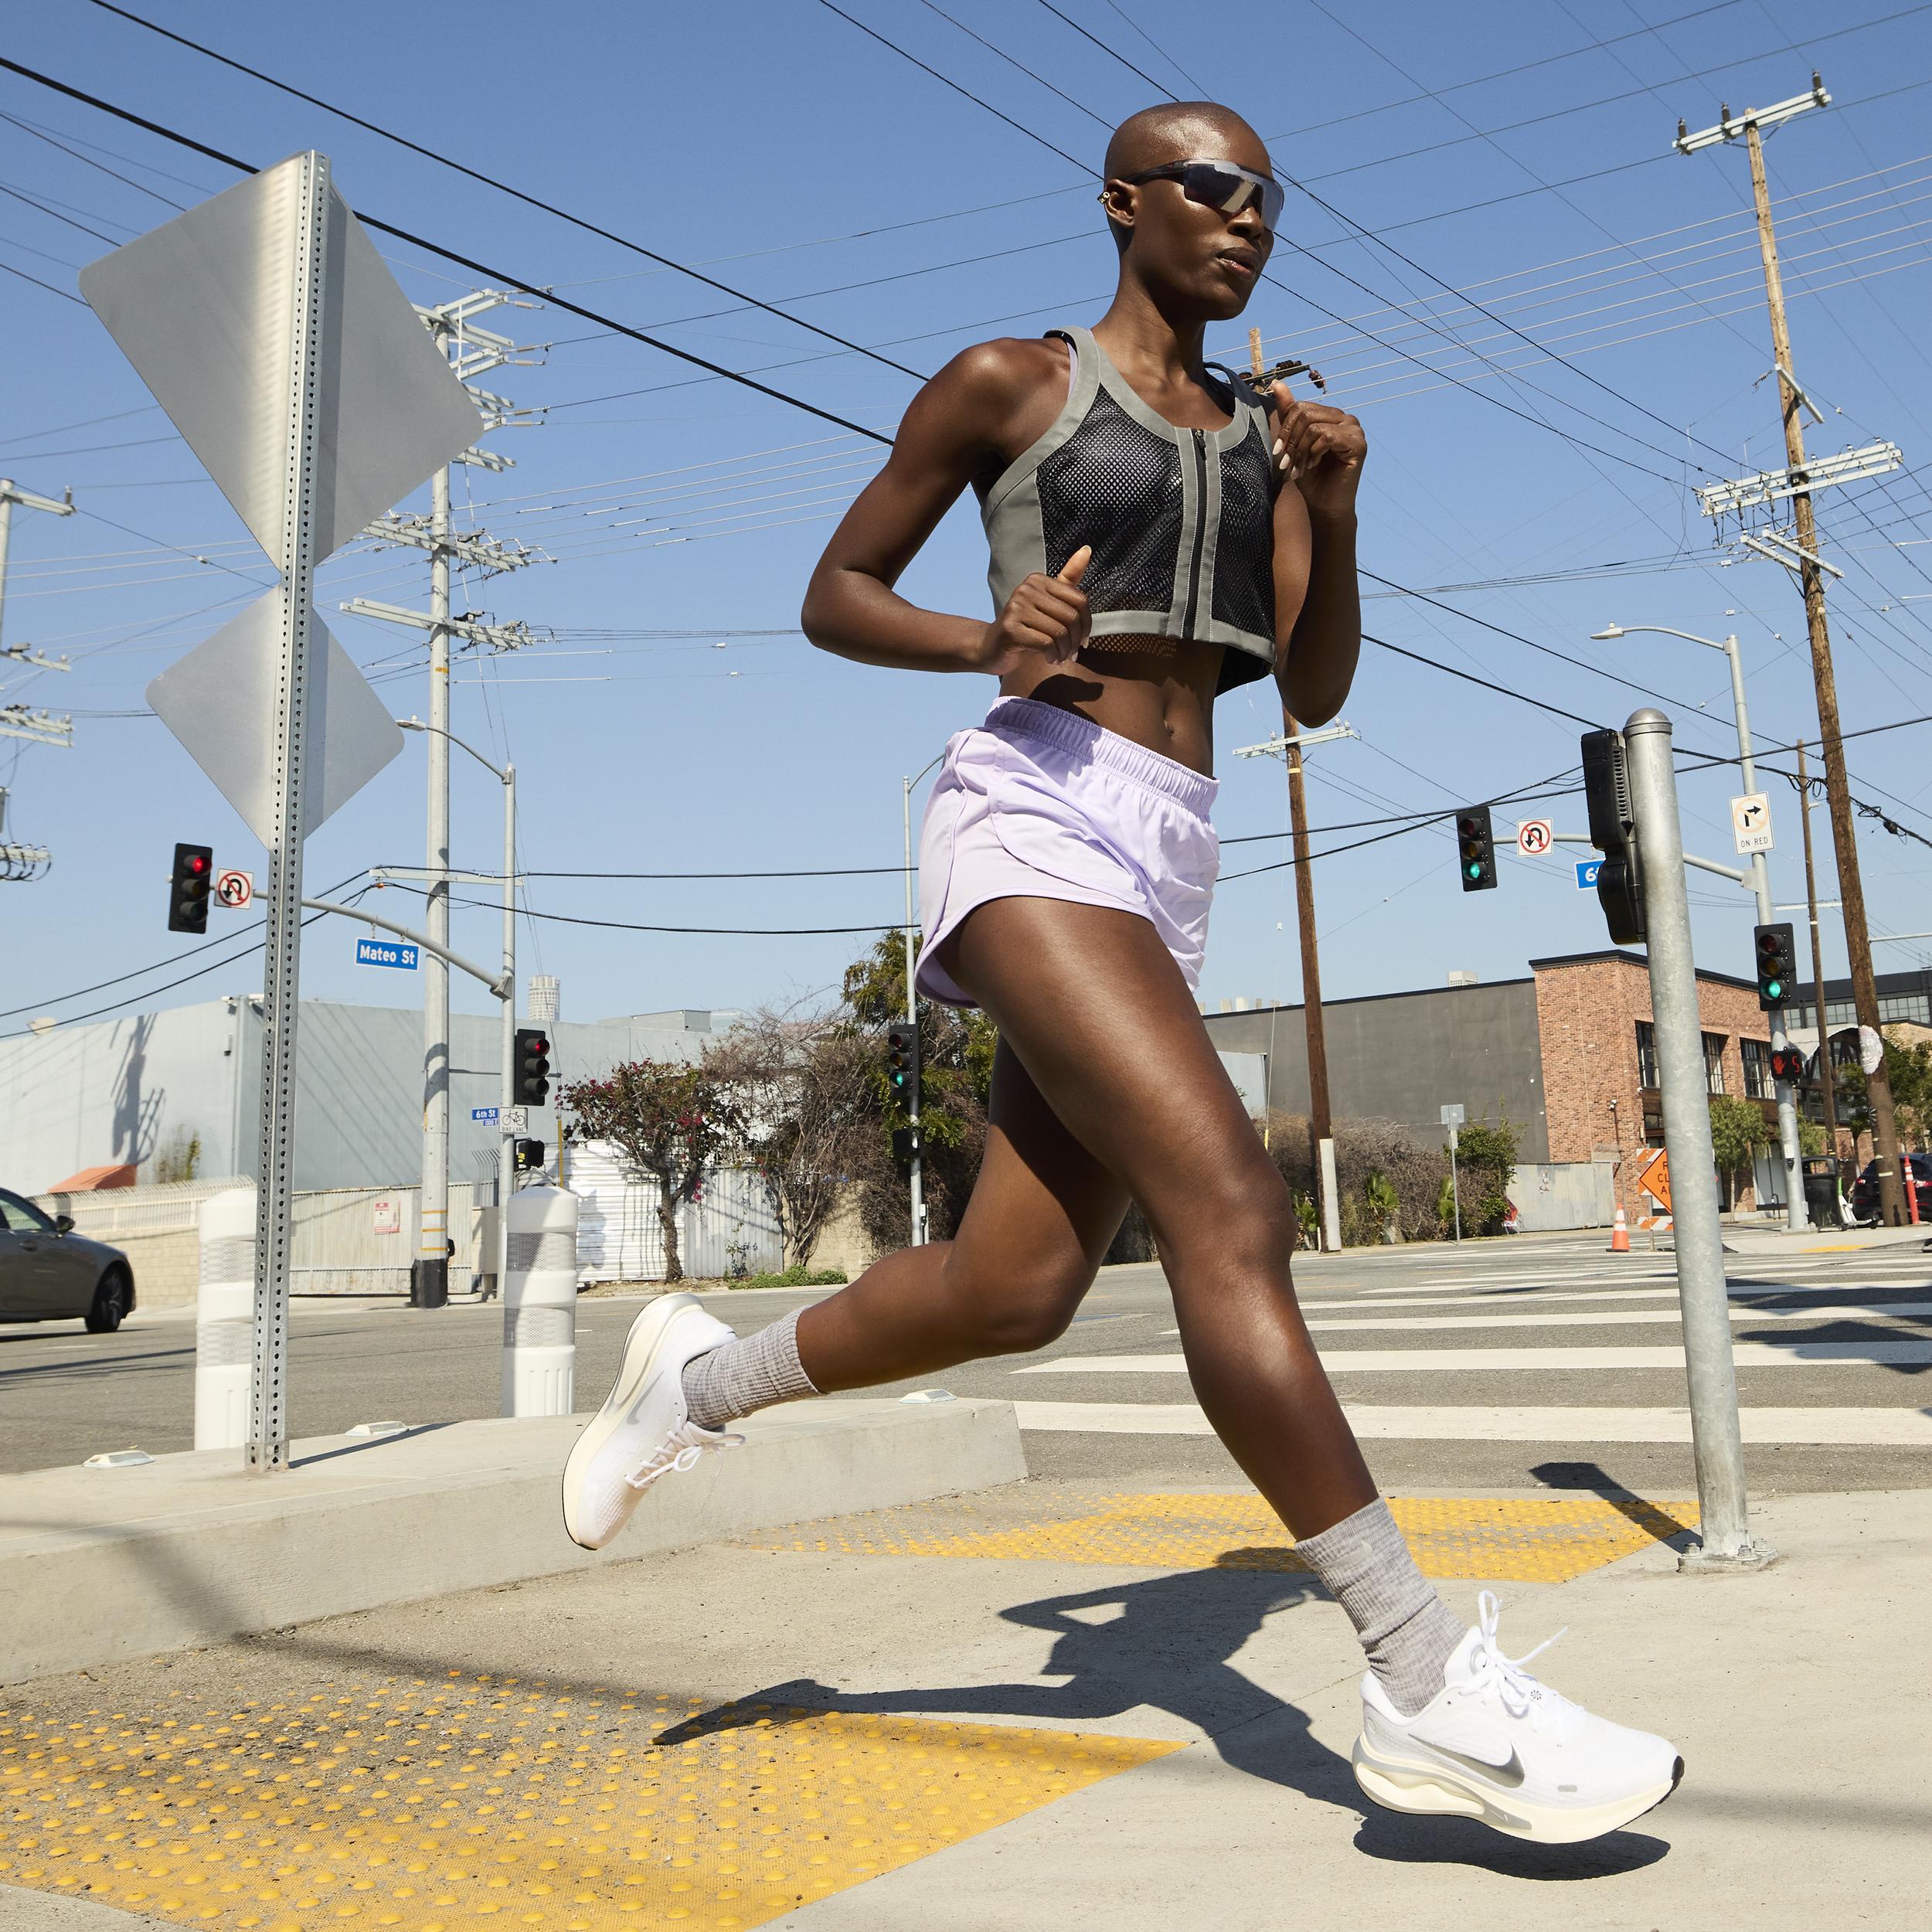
{"x":1158,"y":534}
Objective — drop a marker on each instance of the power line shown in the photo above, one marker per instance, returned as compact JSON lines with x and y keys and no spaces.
{"x":483,"y":269}
{"x":516,"y":194}
{"x":1469,"y":677}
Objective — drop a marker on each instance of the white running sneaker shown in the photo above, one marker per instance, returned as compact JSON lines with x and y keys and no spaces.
{"x":644,"y":1430}
{"x":1496,"y":1745}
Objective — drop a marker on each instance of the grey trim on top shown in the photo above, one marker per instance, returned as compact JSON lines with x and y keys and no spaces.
{"x":1016,"y":539}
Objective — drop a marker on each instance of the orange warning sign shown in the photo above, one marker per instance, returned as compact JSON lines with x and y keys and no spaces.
{"x":1654,"y":1179}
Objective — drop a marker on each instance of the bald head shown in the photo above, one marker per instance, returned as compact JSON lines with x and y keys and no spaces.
{"x":1184,"y":131}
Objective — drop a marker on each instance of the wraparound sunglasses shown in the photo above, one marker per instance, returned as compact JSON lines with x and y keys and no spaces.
{"x":1219,"y":184}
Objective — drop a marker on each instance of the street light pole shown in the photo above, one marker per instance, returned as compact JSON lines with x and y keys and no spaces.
{"x":1796,"y":1220}
{"x":918,"y":1163}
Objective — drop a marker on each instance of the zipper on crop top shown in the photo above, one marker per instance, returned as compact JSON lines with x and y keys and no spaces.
{"x":1200,"y":532}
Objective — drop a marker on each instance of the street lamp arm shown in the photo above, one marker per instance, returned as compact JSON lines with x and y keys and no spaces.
{"x":500,"y":983}
{"x":416,"y":724}
{"x":1613,"y":631}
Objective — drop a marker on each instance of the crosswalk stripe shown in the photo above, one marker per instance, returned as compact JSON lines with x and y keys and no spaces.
{"x":1606,"y":1318}
{"x":1747,"y":1355}
{"x":1875,"y":1428}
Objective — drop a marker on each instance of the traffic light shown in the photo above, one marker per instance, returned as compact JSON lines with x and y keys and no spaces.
{"x":532,"y":1067}
{"x":1613,"y":826}
{"x":1776,"y":950}
{"x":1476,"y":849}
{"x":902,"y":1058}
{"x":530,"y":1154}
{"x":905,"y":1145}
{"x":188,"y":889}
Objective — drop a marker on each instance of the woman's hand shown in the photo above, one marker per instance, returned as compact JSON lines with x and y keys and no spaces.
{"x":1045,"y":617}
{"x":1322,"y":450}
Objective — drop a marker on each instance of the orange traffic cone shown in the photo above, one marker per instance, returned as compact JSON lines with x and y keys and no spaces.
{"x":1619,"y":1233}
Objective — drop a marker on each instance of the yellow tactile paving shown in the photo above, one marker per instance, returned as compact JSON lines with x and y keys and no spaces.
{"x":1536,"y":1539}
{"x":469,"y":1803}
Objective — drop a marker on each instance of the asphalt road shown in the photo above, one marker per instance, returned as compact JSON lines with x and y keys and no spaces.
{"x":1538,"y":1361}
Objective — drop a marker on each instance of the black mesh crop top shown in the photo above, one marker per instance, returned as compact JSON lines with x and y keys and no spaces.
{"x":1181,"y":521}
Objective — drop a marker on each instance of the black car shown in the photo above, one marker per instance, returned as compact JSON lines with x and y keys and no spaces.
{"x":48,"y":1273}
{"x":1864,"y":1189}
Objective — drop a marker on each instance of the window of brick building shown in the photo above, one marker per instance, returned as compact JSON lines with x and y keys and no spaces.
{"x":1757,"y":1069}
{"x":1646,"y":1054}
{"x":1714,"y":1062}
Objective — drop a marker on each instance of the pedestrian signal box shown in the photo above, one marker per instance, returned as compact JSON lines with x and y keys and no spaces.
{"x":1613,"y":831}
{"x":1476,"y":848}
{"x":1775,"y":948}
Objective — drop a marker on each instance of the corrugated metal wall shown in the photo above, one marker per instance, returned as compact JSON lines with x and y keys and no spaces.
{"x":1552,"y":1195}
{"x":619,"y":1238}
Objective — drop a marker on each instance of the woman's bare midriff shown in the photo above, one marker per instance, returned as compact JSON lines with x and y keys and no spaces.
{"x":1159,"y":692}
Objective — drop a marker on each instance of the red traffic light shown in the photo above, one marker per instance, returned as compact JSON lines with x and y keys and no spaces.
{"x":195,"y":864}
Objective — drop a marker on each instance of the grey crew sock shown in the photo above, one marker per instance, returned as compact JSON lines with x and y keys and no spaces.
{"x":1406,"y":1628}
{"x":739,"y":1377}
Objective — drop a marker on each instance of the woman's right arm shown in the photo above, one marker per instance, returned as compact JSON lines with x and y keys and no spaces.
{"x":974,"y":408}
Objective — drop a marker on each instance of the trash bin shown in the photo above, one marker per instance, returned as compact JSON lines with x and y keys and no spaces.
{"x":1821,"y":1191}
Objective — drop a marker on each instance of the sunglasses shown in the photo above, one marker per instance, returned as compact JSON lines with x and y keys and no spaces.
{"x":1220,"y":185}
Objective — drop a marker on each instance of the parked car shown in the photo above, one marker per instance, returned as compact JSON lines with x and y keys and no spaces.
{"x":48,"y":1273}
{"x":1864,"y":1189}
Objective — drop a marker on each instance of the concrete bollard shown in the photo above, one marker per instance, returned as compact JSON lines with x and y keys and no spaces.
{"x":539,"y":1304}
{"x":225,"y":1319}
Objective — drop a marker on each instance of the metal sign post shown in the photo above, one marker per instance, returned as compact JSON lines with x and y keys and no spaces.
{"x":1452,"y":1118}
{"x":268,"y":327}
{"x":1704,"y":1300}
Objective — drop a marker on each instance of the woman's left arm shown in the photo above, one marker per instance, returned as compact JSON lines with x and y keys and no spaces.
{"x":1318,"y":600}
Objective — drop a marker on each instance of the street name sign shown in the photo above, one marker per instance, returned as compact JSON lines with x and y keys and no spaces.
{"x":1586,"y":872}
{"x":388,"y":952}
{"x":486,"y":1114}
{"x":1535,"y":837}
{"x":1751,"y":822}
{"x":234,"y":890}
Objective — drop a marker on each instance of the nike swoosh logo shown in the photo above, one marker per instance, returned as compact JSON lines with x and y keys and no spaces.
{"x":1508,"y":1775}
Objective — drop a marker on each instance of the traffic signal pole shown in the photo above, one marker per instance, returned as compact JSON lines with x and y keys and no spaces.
{"x":429,"y":1283}
{"x":917,"y":1163}
{"x":1704,"y":1300}
{"x":1826,"y":1099}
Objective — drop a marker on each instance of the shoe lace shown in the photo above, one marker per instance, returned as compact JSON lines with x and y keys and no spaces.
{"x":680,"y":1451}
{"x":1493,"y":1674}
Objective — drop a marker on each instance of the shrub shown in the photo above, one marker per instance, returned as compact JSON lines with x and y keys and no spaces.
{"x":793,"y":1277}
{"x":1374,"y":1146}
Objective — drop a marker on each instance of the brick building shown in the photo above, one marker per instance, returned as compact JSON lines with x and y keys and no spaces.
{"x":1567,"y":1054}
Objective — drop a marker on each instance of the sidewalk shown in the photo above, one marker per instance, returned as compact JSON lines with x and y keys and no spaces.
{"x":1048,"y":1706}
{"x":1781,"y":1241}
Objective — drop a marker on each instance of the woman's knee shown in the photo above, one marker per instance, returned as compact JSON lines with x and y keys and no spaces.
{"x":1240,"y":1222}
{"x":1023,"y":1311}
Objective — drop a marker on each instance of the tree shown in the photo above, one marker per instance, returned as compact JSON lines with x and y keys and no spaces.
{"x":805,"y":1092}
{"x":670,"y":1122}
{"x":1486,"y":1159}
{"x":1737,"y":1127}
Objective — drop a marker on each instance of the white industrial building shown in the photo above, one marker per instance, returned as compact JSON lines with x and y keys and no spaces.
{"x":120,"y":1091}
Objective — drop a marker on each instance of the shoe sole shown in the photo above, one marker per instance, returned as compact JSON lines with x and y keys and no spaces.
{"x":640,"y":1348}
{"x":1430,"y":1790}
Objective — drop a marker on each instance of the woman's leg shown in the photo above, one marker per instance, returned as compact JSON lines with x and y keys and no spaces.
{"x":1093,"y":1005}
{"x":1042,"y":1213}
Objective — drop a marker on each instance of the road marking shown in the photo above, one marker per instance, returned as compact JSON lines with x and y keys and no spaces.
{"x":1851,"y":1428}
{"x":1605,"y":1317}
{"x":1747,"y":1355}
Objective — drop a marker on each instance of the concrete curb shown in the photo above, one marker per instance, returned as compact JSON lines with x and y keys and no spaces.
{"x":101,"y":1565}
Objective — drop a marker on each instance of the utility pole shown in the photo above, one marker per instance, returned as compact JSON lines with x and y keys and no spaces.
{"x":471,"y":352}
{"x":36,"y":726}
{"x":1824,"y":1083}
{"x":1750,"y":124}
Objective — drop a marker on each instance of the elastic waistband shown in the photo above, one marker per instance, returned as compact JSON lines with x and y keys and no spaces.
{"x":1192,"y":790}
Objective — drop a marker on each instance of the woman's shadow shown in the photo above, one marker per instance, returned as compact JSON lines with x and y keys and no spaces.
{"x":1166,"y":1642}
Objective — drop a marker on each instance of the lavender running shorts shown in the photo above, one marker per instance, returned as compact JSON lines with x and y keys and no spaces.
{"x":1039,"y":803}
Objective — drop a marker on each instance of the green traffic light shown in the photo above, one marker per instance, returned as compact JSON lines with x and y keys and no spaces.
{"x":1773,"y":989}
{"x":1475,"y":868}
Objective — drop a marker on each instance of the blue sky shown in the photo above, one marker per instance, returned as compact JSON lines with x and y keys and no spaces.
{"x":801,"y":160}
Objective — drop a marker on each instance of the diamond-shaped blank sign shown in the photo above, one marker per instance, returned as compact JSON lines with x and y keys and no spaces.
{"x":204,"y":308}
{"x":223,"y":700}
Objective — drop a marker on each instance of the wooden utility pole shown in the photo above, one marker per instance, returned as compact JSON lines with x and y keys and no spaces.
{"x":1817,"y":960}
{"x":1318,"y":1114}
{"x":1857,"y":943}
